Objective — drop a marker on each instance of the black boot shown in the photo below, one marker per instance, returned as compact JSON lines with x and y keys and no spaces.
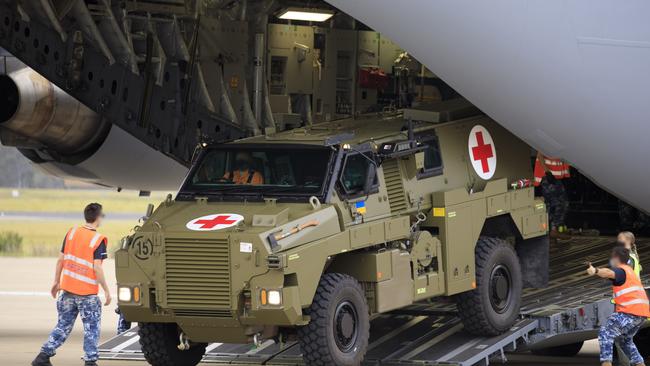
{"x":42,"y":360}
{"x":90,"y":363}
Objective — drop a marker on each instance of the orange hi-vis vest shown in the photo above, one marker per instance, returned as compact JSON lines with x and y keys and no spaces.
{"x":557,"y":167}
{"x":78,"y":275}
{"x":247,"y":177}
{"x":631,"y":298}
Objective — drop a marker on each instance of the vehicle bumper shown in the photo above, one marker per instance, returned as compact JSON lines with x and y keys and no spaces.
{"x":238,"y":328}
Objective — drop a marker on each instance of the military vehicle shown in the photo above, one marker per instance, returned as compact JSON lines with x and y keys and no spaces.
{"x":309,"y":233}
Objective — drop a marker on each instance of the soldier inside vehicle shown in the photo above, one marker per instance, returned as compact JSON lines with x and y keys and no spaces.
{"x":271,"y":170}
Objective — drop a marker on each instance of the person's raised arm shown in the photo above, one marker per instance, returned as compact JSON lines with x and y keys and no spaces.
{"x":101,"y":279}
{"x":56,"y":286}
{"x":601,"y":272}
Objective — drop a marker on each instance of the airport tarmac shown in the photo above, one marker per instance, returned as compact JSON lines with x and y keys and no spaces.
{"x":28,"y":313}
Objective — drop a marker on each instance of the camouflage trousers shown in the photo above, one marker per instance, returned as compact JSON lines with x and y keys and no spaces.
{"x":624,"y":327}
{"x":122,"y":324}
{"x":89,"y":308}
{"x":556,"y":200}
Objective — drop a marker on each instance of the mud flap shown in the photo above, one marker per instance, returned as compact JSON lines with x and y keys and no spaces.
{"x":534,"y":256}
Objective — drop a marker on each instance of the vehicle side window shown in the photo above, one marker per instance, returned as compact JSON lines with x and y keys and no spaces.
{"x":432,"y":158}
{"x":353,"y":176}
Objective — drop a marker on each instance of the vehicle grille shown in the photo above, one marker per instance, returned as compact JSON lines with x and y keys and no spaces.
{"x":394,"y":186}
{"x":203,"y":313}
{"x":198,"y":276}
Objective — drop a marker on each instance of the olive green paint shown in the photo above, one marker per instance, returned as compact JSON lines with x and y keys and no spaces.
{"x":207,"y":284}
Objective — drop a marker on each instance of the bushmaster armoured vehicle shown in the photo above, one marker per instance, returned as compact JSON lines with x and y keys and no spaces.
{"x":310,"y":232}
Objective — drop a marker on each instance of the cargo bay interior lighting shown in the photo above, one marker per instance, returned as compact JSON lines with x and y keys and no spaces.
{"x":306,"y":14}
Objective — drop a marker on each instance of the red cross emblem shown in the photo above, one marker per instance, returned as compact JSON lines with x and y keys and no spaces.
{"x":214,"y":222}
{"x":218,"y":220}
{"x":482,"y":152}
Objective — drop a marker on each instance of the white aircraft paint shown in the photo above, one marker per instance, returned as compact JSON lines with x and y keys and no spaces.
{"x":572,"y":78}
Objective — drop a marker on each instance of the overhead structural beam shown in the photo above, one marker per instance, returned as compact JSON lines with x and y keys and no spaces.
{"x":90,"y":72}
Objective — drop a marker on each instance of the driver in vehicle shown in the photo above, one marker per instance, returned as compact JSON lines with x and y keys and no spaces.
{"x":244,"y":172}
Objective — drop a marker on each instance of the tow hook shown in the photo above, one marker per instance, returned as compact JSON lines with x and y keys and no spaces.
{"x":184,"y":342}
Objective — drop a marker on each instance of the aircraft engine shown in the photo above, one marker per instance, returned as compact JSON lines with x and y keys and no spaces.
{"x":67,"y":139}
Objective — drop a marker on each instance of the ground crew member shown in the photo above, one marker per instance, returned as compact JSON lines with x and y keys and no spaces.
{"x":548,"y":173}
{"x":632,"y":308}
{"x":245,"y":172}
{"x":627,"y":240}
{"x":78,"y":276}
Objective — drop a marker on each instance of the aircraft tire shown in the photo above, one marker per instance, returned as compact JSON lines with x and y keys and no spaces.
{"x":159,"y":342}
{"x":493,"y":306}
{"x":338,"y":331}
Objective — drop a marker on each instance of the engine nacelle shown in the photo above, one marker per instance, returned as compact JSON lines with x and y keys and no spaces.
{"x":34,"y":113}
{"x":65,"y":138}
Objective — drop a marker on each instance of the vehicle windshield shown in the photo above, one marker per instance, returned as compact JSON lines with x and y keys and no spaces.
{"x":238,"y":170}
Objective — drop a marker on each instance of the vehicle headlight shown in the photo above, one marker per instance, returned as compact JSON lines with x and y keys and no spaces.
{"x":128,"y":294}
{"x":271,"y":297}
{"x":275,"y":297}
{"x":124,"y":294}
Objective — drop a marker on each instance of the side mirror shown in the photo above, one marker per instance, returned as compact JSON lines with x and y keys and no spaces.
{"x":370,"y":178}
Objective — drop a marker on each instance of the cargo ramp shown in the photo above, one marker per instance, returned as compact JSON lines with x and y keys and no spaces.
{"x":569,"y":310}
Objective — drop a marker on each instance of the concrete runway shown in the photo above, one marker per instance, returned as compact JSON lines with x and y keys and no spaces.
{"x":28,"y":313}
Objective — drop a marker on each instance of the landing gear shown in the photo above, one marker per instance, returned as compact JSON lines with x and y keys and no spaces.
{"x":160,"y":344}
{"x":493,"y":306}
{"x":339,"y":328}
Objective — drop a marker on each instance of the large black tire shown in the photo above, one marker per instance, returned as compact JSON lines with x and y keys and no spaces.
{"x":492,"y":308}
{"x":338,"y":331}
{"x":159,"y":342}
{"x":566,"y":350}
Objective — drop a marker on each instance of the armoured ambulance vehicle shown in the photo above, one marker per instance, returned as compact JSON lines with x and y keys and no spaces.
{"x":309,"y":233}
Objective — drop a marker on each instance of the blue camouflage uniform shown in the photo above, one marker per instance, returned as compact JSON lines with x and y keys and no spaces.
{"x":620,"y":329}
{"x":556,"y":199}
{"x":122,"y":324}
{"x":623,"y":327}
{"x":89,"y":308}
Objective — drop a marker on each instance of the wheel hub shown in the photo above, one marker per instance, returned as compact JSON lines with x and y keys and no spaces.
{"x":500,"y":288}
{"x":346,"y":322}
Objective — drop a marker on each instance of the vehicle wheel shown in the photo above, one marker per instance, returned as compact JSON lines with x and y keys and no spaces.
{"x":338,"y":331}
{"x":493,"y":306}
{"x":566,"y":350}
{"x":159,"y":342}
